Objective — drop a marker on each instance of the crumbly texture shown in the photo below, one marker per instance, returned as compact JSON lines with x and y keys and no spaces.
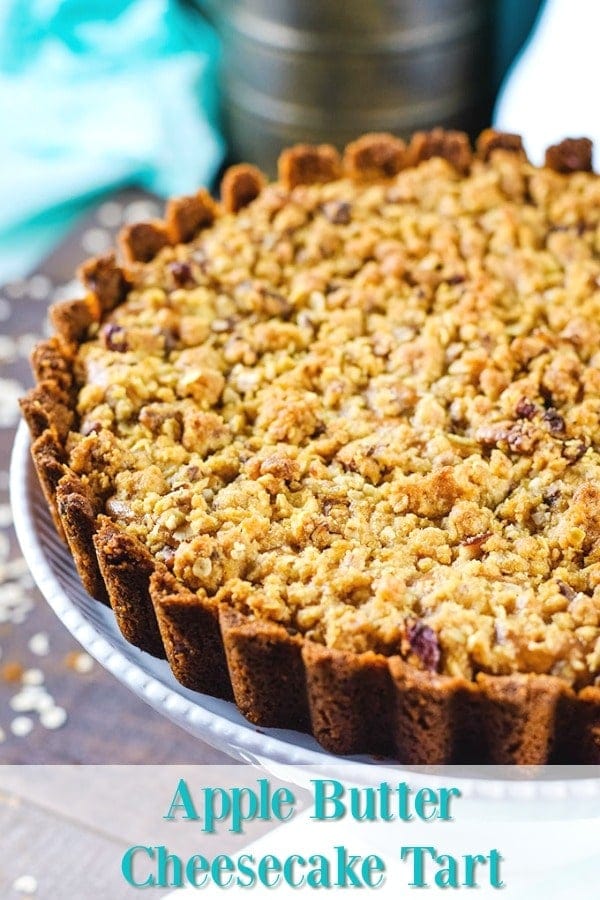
{"x":371,"y":412}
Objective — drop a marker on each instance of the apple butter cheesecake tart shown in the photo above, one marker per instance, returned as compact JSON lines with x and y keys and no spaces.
{"x":332,"y":445}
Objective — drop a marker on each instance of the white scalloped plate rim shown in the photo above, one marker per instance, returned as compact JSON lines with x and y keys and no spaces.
{"x":217,"y":722}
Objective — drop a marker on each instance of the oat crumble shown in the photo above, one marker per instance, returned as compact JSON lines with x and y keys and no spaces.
{"x":371,"y":412}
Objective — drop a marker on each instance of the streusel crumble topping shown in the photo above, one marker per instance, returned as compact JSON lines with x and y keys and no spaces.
{"x":371,"y":412}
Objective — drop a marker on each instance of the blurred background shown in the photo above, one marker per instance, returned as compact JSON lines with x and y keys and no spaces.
{"x":98,"y":94}
{"x":108,"y":106}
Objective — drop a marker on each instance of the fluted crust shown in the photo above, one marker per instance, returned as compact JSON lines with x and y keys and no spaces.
{"x":78,"y":510}
{"x":352,"y":703}
{"x":189,"y":628}
{"x":126,"y":567}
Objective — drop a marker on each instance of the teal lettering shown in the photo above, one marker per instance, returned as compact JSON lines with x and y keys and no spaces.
{"x":470,"y":863}
{"x":222,"y":865}
{"x":211,"y":816}
{"x":446,"y":876}
{"x":197,"y":866}
{"x":169,"y":869}
{"x":246,"y":870}
{"x":346,"y":876}
{"x":424,"y":797}
{"x":418,"y":863}
{"x":446,"y":795}
{"x":372,"y":868}
{"x":244,"y":806}
{"x":288,"y":871}
{"x":384,"y":801}
{"x":404,"y":792}
{"x":327,"y":793}
{"x":319,"y":876}
{"x":269,"y":865}
{"x":182,"y":800}
{"x":363,"y":811}
{"x":495,"y":860}
{"x":283,"y":798}
{"x":127,"y":867}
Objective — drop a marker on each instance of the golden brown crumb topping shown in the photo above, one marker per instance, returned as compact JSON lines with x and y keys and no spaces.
{"x":371,"y":412}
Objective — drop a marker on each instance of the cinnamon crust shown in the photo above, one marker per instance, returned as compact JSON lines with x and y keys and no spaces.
{"x":142,"y":241}
{"x":431,"y":715}
{"x":185,"y":216}
{"x":266,"y":671}
{"x":46,"y":406}
{"x":189,"y":627}
{"x":453,"y":146}
{"x":126,"y":568}
{"x":570,"y":155}
{"x":49,"y":458}
{"x":520,"y":717}
{"x":73,"y":318}
{"x":50,"y":364}
{"x":351,"y":702}
{"x":106,"y":280}
{"x":305,"y":164}
{"x":241,"y":185}
{"x":491,"y":140}
{"x":78,"y":510}
{"x":375,"y":156}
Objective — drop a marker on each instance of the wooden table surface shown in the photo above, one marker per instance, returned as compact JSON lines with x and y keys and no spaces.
{"x":106,"y":723}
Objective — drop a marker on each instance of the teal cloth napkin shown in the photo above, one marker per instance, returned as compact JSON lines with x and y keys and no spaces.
{"x":95,"y":94}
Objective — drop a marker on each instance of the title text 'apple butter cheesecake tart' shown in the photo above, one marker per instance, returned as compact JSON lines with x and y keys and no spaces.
{"x":332,"y":445}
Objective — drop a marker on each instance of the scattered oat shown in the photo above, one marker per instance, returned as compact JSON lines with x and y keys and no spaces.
{"x":5,"y":515}
{"x":16,"y":289}
{"x":21,"y":726}
{"x":44,"y":702}
{"x":79,"y":662}
{"x":33,"y":677}
{"x":140,"y":211}
{"x":15,"y":601}
{"x":16,"y":568}
{"x":109,"y":215}
{"x":24,"y":701}
{"x":25,"y":884}
{"x":53,"y":718}
{"x":8,"y":349}
{"x":39,"y":644}
{"x":39,"y":287}
{"x":10,"y":390}
{"x":96,"y":240}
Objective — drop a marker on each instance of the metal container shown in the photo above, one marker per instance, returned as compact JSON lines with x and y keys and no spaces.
{"x":328,"y":70}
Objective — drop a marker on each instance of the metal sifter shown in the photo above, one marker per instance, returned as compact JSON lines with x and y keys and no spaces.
{"x":328,"y":70}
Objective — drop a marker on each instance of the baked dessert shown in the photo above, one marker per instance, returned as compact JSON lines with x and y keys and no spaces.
{"x":332,"y":445}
